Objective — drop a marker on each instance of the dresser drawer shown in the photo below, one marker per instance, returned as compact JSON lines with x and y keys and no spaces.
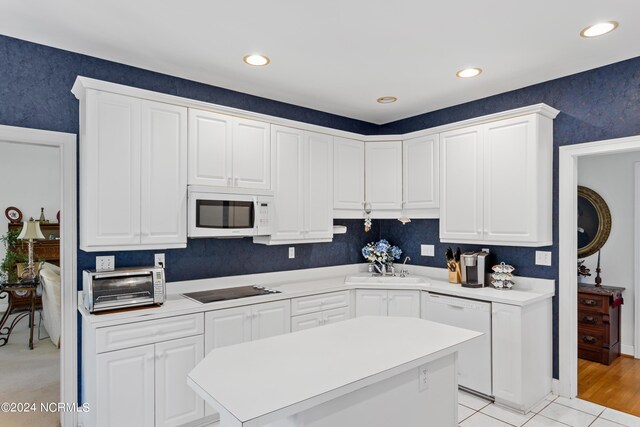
{"x":148,"y":332}
{"x":593,"y":303}
{"x":314,"y":303}
{"x":590,"y":339}
{"x":589,"y":318}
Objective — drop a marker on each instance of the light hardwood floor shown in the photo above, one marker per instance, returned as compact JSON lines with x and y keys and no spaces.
{"x":616,"y":386}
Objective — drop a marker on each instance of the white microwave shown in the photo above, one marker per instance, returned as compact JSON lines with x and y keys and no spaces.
{"x":216,"y":214}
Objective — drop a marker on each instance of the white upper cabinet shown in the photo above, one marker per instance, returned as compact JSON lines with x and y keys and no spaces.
{"x":497,"y":182}
{"x":210,"y":148}
{"x":348,"y":178}
{"x":421,"y":176}
{"x":133,"y":170}
{"x":383,"y":175}
{"x":461,"y":173}
{"x":164,"y":160}
{"x":303,"y":187}
{"x":226,"y":151}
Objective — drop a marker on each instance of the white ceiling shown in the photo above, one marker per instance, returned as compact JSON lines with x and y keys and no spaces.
{"x":340,"y":55}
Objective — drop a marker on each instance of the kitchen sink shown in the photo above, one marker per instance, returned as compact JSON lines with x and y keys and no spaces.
{"x":385,"y":279}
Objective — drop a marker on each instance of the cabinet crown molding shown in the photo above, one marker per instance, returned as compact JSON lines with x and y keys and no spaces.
{"x":83,"y":83}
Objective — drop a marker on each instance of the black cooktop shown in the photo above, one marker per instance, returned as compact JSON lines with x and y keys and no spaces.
{"x":214,"y":295}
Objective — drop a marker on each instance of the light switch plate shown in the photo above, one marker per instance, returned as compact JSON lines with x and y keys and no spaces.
{"x":543,"y":258}
{"x":427,"y":250}
{"x":292,"y":252}
{"x":105,"y":263}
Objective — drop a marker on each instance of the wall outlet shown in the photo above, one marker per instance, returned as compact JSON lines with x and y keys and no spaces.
{"x":427,"y":250}
{"x":158,"y":260}
{"x":292,"y":252}
{"x":423,"y":378}
{"x":543,"y":258}
{"x":486,"y":250}
{"x":105,"y":263}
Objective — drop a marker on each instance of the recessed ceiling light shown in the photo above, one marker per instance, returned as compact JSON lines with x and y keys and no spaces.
{"x":599,"y":29}
{"x":256,"y":59}
{"x":387,"y":99}
{"x":469,"y":72}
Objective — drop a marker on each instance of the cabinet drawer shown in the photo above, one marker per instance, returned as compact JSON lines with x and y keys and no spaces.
{"x":588,"y":318}
{"x":314,"y":303}
{"x":141,"y":333}
{"x":593,"y":303}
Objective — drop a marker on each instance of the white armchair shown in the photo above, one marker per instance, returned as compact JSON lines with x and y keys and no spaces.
{"x":51,"y":301}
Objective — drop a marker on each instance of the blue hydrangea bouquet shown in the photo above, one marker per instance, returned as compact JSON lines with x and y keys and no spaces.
{"x":381,"y":253}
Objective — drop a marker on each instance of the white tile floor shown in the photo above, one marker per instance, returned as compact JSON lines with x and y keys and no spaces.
{"x":553,"y":412}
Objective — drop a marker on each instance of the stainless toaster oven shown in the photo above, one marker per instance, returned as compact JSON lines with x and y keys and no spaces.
{"x":122,"y":288}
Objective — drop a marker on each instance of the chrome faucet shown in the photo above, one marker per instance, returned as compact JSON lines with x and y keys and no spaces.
{"x":403,"y":271}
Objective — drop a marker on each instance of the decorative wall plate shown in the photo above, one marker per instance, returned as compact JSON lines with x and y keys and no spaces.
{"x":58,"y":217}
{"x":13,"y":214}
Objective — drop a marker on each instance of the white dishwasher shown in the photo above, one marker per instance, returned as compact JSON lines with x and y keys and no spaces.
{"x":474,"y":361}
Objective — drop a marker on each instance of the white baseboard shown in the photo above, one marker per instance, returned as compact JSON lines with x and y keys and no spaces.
{"x":628,"y":350}
{"x":555,"y":386}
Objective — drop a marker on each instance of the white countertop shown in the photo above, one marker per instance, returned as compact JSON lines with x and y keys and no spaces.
{"x":265,"y":380}
{"x":298,"y":283}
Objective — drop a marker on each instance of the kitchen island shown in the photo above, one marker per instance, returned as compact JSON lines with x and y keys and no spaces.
{"x":368,"y":371}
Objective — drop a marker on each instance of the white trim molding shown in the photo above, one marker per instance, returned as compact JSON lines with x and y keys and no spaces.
{"x":66,"y":144}
{"x":635,"y":349}
{"x":568,"y":277}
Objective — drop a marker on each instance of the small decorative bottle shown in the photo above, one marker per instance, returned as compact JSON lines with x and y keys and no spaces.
{"x":42,"y":220}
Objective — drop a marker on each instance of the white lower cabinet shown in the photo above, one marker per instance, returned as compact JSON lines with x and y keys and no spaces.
{"x":522,"y":353}
{"x":377,"y":302}
{"x":321,"y":318}
{"x":241,"y":324}
{"x":144,"y":385}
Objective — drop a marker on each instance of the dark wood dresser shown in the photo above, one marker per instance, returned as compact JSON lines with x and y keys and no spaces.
{"x":43,"y":250}
{"x":599,"y":323}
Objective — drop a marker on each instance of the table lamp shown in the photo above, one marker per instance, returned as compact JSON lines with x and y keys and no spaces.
{"x":30,"y":232}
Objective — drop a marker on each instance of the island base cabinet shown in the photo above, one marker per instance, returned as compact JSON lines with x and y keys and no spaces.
{"x":396,"y":401}
{"x":521,"y":350}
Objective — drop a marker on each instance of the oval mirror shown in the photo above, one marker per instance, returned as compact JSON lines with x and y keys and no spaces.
{"x":594,"y":222}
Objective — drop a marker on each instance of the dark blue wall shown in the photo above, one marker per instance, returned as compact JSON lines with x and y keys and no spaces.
{"x":35,"y":83}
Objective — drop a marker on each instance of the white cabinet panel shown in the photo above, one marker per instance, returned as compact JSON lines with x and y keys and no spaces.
{"x":125,"y":388}
{"x":176,"y":402}
{"x":110,"y":171}
{"x":404,"y":303}
{"x":421,"y":173}
{"x":320,"y":302}
{"x":462,"y":187}
{"x":287,"y":155}
{"x":210,"y":148}
{"x":318,"y":186}
{"x":306,"y":321}
{"x":371,"y":302}
{"x":227,"y":327}
{"x":336,"y":315}
{"x":270,"y":319}
{"x":348,"y":176}
{"x":510,"y":186}
{"x":164,"y":174}
{"x":507,"y":360}
{"x":251,"y":154}
{"x":383,"y":173}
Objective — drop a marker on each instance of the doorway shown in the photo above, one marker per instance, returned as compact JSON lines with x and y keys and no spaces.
{"x":570,"y":158}
{"x":60,"y":154}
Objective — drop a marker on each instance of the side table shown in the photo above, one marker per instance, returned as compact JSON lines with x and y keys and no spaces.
{"x":22,"y":300}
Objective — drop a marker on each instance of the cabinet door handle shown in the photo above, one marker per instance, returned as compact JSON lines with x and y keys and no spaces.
{"x":235,"y":181}
{"x":589,"y":302}
{"x":229,"y":182}
{"x":589,"y":319}
{"x":589,"y":339}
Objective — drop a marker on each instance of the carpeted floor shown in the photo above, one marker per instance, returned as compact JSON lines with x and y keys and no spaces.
{"x":29,"y":376}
